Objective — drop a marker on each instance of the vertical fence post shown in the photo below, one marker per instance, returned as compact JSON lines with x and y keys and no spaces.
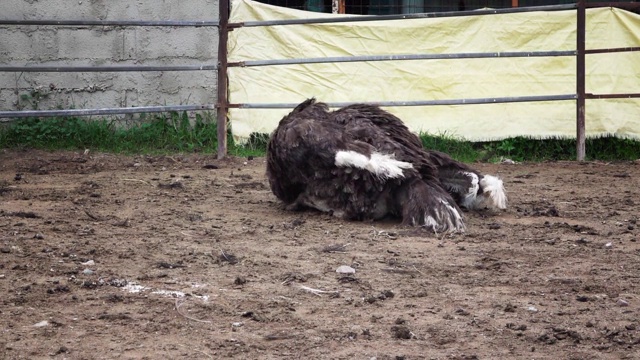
{"x":580,"y":81}
{"x":223,"y":101}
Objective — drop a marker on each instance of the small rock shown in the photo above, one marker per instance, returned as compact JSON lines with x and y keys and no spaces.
{"x":463,"y":312}
{"x":532,"y":309}
{"x":344,"y":269}
{"x":513,"y":326}
{"x":255,"y":316}
{"x":582,"y":298}
{"x":87,"y":272}
{"x":42,"y":323}
{"x":608,"y":245}
{"x":237,"y":324}
{"x":118,"y":282}
{"x":38,"y":236}
{"x":88,"y":263}
{"x":622,"y":302}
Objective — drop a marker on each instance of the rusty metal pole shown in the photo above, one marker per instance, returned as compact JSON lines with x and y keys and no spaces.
{"x":580,"y":81}
{"x":223,"y":101}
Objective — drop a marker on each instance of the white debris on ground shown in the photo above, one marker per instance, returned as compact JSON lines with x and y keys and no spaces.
{"x":137,"y":288}
{"x":344,"y":269}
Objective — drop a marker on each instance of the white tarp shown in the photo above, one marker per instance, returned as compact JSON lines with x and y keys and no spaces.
{"x":419,"y":80}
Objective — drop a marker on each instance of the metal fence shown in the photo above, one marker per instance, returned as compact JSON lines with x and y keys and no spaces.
{"x":224,"y":26}
{"x":579,"y":96}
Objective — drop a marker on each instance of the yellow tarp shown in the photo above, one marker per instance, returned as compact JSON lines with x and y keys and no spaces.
{"x":418,"y":80}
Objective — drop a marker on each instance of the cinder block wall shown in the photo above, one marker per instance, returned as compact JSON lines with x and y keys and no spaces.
{"x":63,"y":45}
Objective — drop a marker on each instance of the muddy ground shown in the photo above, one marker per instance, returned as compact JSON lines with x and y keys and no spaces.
{"x":189,"y":257}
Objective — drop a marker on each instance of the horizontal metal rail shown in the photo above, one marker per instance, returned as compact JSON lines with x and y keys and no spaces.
{"x":612,"y":50}
{"x":476,"y":101}
{"x":402,"y":16}
{"x":612,"y":96}
{"x":107,"y":68}
{"x":104,"y":111}
{"x":341,"y":59}
{"x":196,"y":23}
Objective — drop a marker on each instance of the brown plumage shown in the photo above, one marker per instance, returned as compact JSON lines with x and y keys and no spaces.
{"x":360,"y":162}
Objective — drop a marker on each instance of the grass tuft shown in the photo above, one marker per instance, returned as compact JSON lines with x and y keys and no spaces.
{"x":255,"y":146}
{"x":460,"y":150}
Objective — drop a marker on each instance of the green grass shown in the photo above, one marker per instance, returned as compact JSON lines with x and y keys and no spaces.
{"x":175,"y":133}
{"x":168,"y":133}
{"x":255,"y":146}
{"x":527,"y":149}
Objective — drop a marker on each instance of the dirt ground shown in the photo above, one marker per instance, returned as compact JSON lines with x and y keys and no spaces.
{"x":189,"y":257}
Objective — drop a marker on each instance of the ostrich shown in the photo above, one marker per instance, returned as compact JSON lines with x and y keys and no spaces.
{"x":362,"y":163}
